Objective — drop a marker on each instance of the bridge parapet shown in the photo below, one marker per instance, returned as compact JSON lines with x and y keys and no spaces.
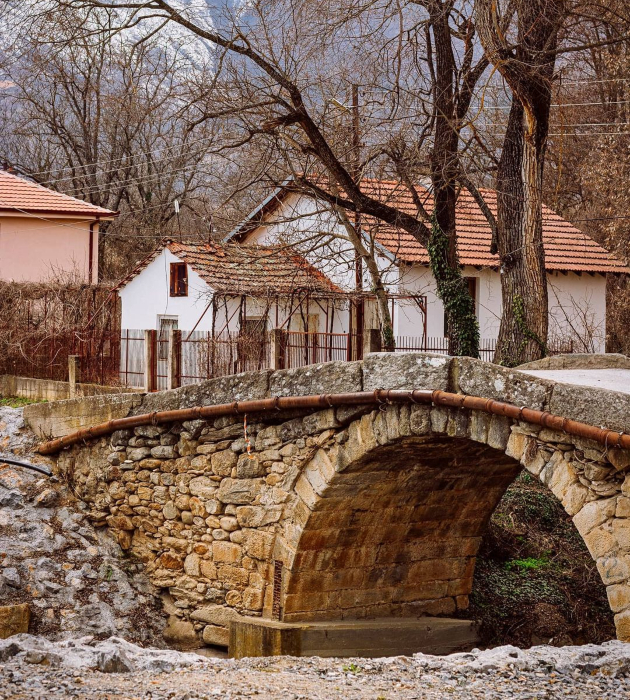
{"x":343,"y":513}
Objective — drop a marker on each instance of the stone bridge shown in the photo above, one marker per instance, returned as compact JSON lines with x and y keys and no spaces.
{"x":343,"y":514}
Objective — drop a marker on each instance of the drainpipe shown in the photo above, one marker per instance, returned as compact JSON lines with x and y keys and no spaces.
{"x":378,"y":398}
{"x":91,"y":252}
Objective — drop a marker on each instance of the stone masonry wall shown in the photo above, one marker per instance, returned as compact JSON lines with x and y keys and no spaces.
{"x":343,"y":513}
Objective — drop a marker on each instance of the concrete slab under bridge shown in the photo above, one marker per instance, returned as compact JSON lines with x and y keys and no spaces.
{"x":252,"y":636}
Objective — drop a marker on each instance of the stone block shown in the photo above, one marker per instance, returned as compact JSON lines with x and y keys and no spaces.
{"x":623,"y":507}
{"x":253,"y":598}
{"x":138,"y":453}
{"x":223,"y":462}
{"x":563,"y":476}
{"x":325,"y":378}
{"x":621,"y":533}
{"x":58,"y":418}
{"x":164,"y":452}
{"x":413,"y":370}
{"x":600,"y":542}
{"x":203,"y":487}
{"x":14,"y":619}
{"x":478,"y":378}
{"x":249,"y":467}
{"x":593,"y":514}
{"x":478,"y":426}
{"x":320,"y":421}
{"x":420,"y":420}
{"x":614,"y":569}
{"x":233,"y":576}
{"x":622,"y":625}
{"x":257,"y":544}
{"x":239,"y":491}
{"x":216,"y":636}
{"x":258,"y":516}
{"x":180,"y":634}
{"x":226,"y":552}
{"x":618,"y":597}
{"x":620,"y":459}
{"x":239,"y":387}
{"x":499,"y":432}
{"x":215,"y":615}
{"x":191,"y":565}
{"x":594,"y":406}
{"x":208,"y":569}
{"x":574,"y":498}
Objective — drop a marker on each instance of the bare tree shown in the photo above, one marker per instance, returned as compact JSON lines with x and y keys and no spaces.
{"x":109,"y":121}
{"x":523,"y":40}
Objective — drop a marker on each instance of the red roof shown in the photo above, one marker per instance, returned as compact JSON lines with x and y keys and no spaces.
{"x":245,"y":269}
{"x":22,"y":196}
{"x":567,"y":249}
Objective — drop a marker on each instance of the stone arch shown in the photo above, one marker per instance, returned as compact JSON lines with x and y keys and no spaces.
{"x":388,"y":516}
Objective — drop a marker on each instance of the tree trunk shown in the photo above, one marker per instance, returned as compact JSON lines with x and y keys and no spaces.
{"x":524,"y":322}
{"x":462,"y":328}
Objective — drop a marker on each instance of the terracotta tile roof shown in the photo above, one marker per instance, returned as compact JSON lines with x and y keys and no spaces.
{"x":231,"y":268}
{"x":20,"y":195}
{"x":566,"y":247}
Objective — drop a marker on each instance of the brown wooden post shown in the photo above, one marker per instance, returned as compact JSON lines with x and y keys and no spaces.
{"x":277,"y":341}
{"x":372,"y":341}
{"x":174,"y":361}
{"x":150,"y":360}
{"x":74,"y":374}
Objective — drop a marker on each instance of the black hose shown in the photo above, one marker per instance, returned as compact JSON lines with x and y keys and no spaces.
{"x":34,"y":467}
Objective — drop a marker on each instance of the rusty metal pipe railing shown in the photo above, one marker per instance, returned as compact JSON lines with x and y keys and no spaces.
{"x":380,"y":397}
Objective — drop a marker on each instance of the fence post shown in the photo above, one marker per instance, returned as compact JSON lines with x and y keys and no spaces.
{"x":74,"y":374}
{"x":371,"y":340}
{"x":173,"y":369}
{"x":150,"y":360}
{"x":277,"y":341}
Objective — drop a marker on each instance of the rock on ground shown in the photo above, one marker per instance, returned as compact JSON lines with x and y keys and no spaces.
{"x":32,"y":667}
{"x":74,"y":576}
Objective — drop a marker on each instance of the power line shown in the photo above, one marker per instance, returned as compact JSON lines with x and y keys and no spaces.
{"x":570,"y":104}
{"x":114,"y":160}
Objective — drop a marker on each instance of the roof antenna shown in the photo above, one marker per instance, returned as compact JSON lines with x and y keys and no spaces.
{"x":210,"y":229}
{"x":179,"y":226}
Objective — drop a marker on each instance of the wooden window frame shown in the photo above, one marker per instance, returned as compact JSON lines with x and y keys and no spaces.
{"x":178,"y":281}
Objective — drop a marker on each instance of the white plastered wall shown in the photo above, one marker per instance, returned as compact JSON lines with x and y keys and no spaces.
{"x":146,"y":297}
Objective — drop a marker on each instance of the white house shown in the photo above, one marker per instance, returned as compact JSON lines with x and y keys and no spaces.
{"x":576,"y":265}
{"x":229,"y":288}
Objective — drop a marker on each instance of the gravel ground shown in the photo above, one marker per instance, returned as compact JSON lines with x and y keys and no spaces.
{"x":33,"y":668}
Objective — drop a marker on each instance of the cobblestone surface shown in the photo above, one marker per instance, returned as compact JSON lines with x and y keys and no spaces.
{"x":39,"y":669}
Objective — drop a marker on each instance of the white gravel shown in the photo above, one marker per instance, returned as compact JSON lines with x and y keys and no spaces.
{"x":32,"y":667}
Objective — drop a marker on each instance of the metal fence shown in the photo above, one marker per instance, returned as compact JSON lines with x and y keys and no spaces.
{"x":202,"y":356}
{"x":44,"y":354}
{"x":119,"y":358}
{"x":300,"y":349}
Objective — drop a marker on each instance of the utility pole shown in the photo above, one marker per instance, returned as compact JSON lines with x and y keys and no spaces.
{"x":358,"y":266}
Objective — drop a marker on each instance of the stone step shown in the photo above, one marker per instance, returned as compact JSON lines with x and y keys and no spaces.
{"x":14,"y":619}
{"x":251,"y":636}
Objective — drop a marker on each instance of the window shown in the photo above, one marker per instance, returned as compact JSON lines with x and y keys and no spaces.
{"x":179,"y":280}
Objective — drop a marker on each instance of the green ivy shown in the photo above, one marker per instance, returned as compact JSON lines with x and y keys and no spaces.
{"x":518,"y":308}
{"x":453,"y":291}
{"x":388,"y":336}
